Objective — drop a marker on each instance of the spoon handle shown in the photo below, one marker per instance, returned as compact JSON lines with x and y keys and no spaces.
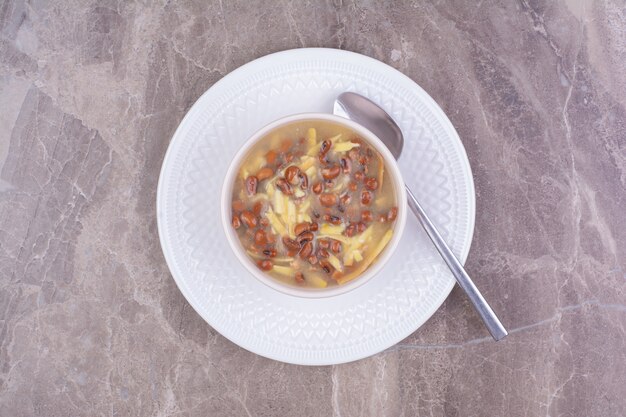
{"x":490,"y":319}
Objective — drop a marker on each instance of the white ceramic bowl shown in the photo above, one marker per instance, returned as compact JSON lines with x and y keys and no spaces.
{"x":233,"y":239}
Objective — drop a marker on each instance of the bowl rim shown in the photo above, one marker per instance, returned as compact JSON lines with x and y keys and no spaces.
{"x":233,"y":240}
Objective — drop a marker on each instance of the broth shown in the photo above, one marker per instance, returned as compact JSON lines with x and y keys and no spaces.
{"x":313,"y":204}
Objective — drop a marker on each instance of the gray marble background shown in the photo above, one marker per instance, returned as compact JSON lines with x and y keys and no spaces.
{"x":92,"y":324}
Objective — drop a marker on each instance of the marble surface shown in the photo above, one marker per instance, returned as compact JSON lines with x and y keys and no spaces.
{"x":92,"y":324}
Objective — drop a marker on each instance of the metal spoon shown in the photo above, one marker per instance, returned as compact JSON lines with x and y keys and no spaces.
{"x":367,"y":113}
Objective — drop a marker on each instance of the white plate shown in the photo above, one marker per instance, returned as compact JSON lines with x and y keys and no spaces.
{"x":339,"y":329}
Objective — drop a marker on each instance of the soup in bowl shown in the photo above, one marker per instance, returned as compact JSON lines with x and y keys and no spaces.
{"x":313,"y":205}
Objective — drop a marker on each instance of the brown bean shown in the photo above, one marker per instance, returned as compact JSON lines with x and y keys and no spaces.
{"x":335,"y":246}
{"x":359,"y":176}
{"x":251,"y":184}
{"x":260,"y":237}
{"x":264,"y":173}
{"x":307,"y":250}
{"x":350,"y":230}
{"x":238,"y":205}
{"x":291,"y":174}
{"x":314,"y":227}
{"x":304,"y":181}
{"x":352,"y":186}
{"x":329,"y":218}
{"x":366,"y":216}
{"x":360,"y":227}
{"x":236,"y":222}
{"x":290,"y":243}
{"x":302,"y":227}
{"x":305,"y":237}
{"x":312,"y":259}
{"x":323,"y":253}
{"x":325,"y":147}
{"x":328,"y":199}
{"x":371,"y":183}
{"x":285,"y":145}
{"x":345,"y":199}
{"x":346,"y":165}
{"x":264,"y":222}
{"x":249,"y":219}
{"x":331,"y":172}
{"x":265,"y":264}
{"x":257,"y":208}
{"x":364,"y":160}
{"x":270,"y":156}
{"x":317,"y":188}
{"x":271,"y":252}
{"x":392,"y":214}
{"x":323,"y":243}
{"x":366,"y":198}
{"x":326,"y":266}
{"x":299,"y":277}
{"x":284,"y":186}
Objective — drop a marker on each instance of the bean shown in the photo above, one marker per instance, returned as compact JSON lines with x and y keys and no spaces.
{"x":251,"y":184}
{"x":306,"y":250}
{"x":305,"y":237}
{"x":304,"y":181}
{"x":364,"y":160}
{"x":317,"y":188}
{"x":366,"y":198}
{"x":299,"y":277}
{"x":345,"y":199}
{"x":249,"y":219}
{"x":331,"y":172}
{"x":326,"y":266}
{"x":328,"y":200}
{"x":260,"y":238}
{"x":238,"y":205}
{"x":302,"y":227}
{"x":323,"y":253}
{"x":264,"y":222}
{"x":270,"y":156}
{"x":236,"y":222}
{"x":352,"y":186}
{"x":366,"y":216}
{"x":314,"y":227}
{"x":257,"y":208}
{"x":335,"y":246}
{"x":325,"y":147}
{"x":271,"y":238}
{"x":290,"y":243}
{"x":392,"y":214}
{"x":265,"y":264}
{"x":332,"y":219}
{"x":291,"y":174}
{"x":360,"y":227}
{"x":270,"y":252}
{"x":264,"y":173}
{"x":350,"y":230}
{"x":285,"y":145}
{"x":323,"y":243}
{"x":371,"y":183}
{"x":284,"y":186}
{"x":346,"y":165}
{"x":289,"y":157}
{"x":359,"y":176}
{"x":353,"y":154}
{"x":312,"y":259}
